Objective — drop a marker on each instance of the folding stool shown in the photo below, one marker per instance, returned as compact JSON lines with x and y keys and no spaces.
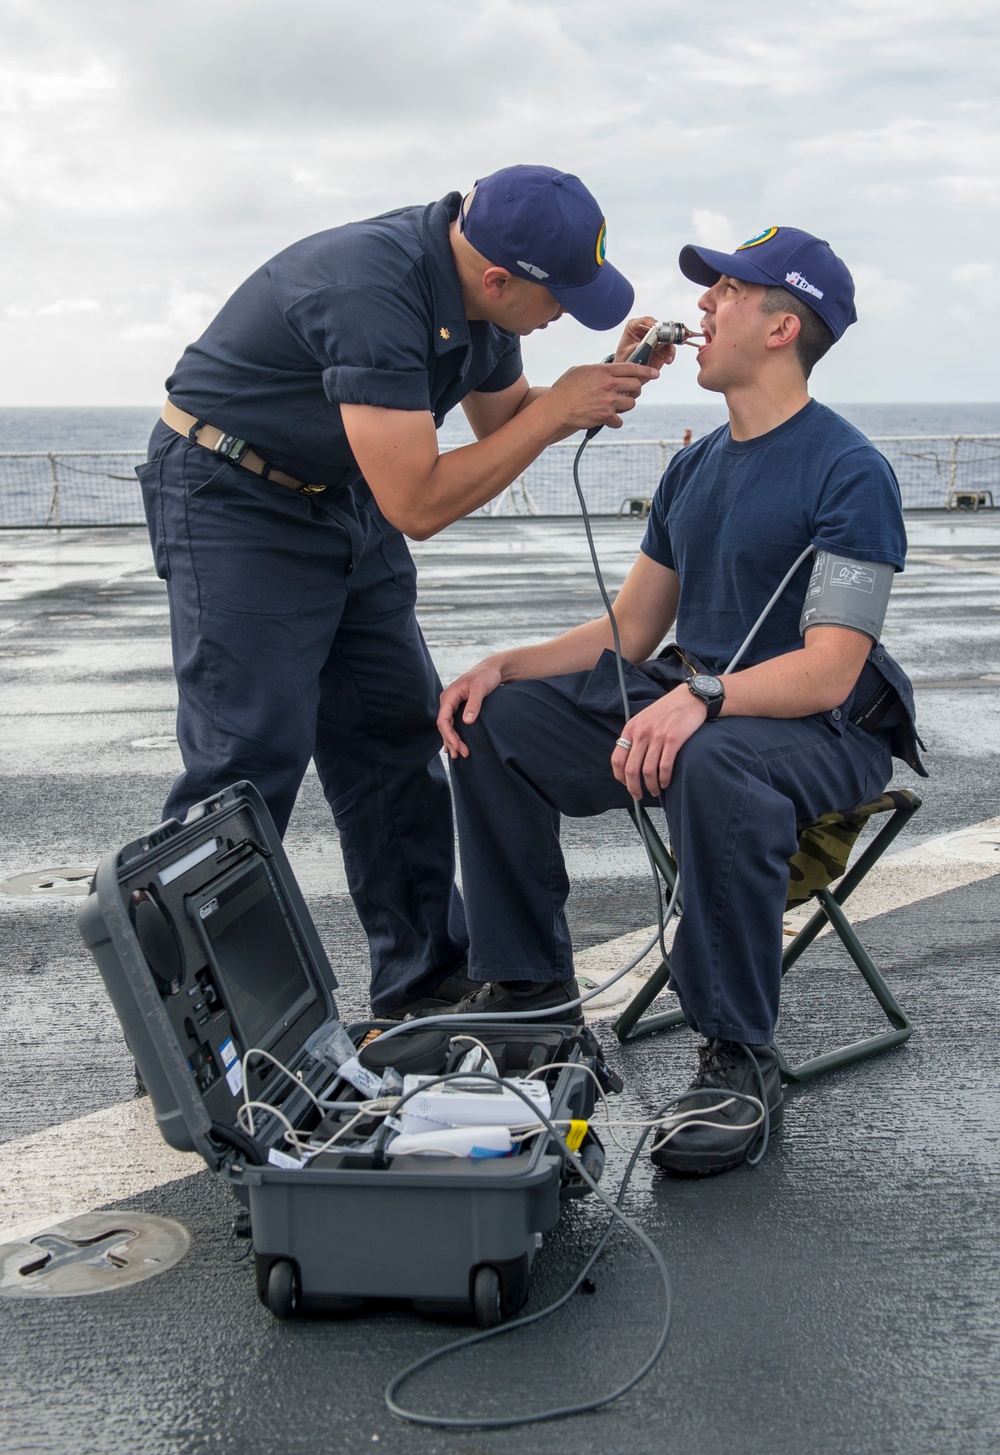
{"x":825,"y":846}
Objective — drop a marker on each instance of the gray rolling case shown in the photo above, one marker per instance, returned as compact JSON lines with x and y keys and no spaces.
{"x":207,"y":949}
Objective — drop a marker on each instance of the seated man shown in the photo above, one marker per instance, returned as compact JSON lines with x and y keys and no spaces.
{"x":807,"y":723}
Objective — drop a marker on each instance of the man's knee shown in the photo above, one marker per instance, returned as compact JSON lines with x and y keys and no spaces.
{"x":715,"y":753}
{"x":509,"y":718}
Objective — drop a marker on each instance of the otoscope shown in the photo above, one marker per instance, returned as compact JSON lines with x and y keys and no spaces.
{"x":660,"y":333}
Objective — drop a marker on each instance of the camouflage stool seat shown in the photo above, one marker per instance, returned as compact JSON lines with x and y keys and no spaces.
{"x":825,"y":846}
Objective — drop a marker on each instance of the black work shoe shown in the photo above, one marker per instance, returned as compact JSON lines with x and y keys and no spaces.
{"x":440,"y":1000}
{"x":508,"y":997}
{"x":724,"y":1136}
{"x":456,"y":987}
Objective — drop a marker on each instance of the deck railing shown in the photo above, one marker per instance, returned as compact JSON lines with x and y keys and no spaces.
{"x":63,"y":488}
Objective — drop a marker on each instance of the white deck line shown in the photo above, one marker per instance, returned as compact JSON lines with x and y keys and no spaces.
{"x":85,"y":1164}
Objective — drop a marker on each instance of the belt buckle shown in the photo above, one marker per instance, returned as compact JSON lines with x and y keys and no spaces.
{"x":231,"y":448}
{"x":311,"y":489}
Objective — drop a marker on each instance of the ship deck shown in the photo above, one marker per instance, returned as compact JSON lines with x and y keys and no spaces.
{"x":842,"y":1297}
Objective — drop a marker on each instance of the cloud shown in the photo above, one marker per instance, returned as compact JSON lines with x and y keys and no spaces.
{"x":152,"y":156}
{"x":982,"y":189}
{"x":878,"y":295}
{"x":189,"y":312}
{"x":68,"y":305}
{"x":975,"y":275}
{"x":58,"y":308}
{"x":176,"y":314}
{"x":140,"y":333}
{"x":713,"y":230}
{"x":24,"y":91}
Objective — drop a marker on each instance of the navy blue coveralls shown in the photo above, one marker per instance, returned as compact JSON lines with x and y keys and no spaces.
{"x":729,"y":517}
{"x":292,"y":616}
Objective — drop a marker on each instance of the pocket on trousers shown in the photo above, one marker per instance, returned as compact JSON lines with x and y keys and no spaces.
{"x":149,"y":476}
{"x":248,"y":543}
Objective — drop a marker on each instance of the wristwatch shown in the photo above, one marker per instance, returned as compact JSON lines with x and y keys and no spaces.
{"x":710,"y":691}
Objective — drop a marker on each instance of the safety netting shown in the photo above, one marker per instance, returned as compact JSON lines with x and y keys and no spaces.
{"x":56,"y":489}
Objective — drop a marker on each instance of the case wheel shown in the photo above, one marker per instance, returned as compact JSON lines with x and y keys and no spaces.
{"x":486,"y":1303}
{"x":283,"y":1289}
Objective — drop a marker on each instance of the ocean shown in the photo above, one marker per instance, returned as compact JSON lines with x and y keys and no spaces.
{"x":116,"y":429}
{"x":66,"y":490}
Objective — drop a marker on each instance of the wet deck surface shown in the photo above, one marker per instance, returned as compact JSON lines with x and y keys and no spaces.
{"x":844,"y":1297}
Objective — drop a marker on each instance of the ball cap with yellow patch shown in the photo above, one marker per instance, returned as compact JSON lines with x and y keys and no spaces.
{"x":783,"y":257}
{"x":543,"y":225}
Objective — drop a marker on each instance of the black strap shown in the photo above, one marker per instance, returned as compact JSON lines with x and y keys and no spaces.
{"x":193,"y":431}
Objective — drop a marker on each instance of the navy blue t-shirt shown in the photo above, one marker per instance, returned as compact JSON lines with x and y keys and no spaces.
{"x":731,"y":516}
{"x":369,"y":313}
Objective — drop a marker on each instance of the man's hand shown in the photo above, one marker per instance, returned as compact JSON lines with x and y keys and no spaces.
{"x":657,"y":735}
{"x":634,"y":332}
{"x":595,"y":394}
{"x":470,"y":688}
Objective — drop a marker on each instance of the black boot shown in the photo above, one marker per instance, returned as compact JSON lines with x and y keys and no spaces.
{"x":724,"y":1135}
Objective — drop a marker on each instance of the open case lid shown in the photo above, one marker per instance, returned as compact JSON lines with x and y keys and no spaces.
{"x":207,"y":949}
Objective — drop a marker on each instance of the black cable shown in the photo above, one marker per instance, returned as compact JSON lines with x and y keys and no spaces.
{"x":661,"y":917}
{"x":508,"y":1422}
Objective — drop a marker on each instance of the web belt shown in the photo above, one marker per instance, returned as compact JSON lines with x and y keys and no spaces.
{"x":230,"y":448}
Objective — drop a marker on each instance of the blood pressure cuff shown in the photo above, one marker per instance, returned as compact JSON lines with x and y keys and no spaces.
{"x":845,"y":592}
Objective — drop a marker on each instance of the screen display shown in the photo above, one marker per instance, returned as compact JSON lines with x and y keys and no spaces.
{"x":260,"y":967}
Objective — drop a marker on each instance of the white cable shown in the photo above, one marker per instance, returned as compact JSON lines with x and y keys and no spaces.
{"x":312,"y":1151}
{"x":247,"y":1124}
{"x":682,"y":1120}
{"x":581,"y":1066}
{"x":244,"y":1076}
{"x":483,"y":1047}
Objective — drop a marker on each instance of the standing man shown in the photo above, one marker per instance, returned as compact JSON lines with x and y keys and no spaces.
{"x":297,"y":445}
{"x":808,"y":723}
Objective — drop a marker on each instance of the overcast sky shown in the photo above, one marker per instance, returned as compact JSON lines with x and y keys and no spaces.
{"x":152,"y":154}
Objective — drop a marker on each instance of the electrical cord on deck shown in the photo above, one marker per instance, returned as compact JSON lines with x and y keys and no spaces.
{"x":509,"y":1422}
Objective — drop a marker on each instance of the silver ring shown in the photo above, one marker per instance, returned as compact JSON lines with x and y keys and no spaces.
{"x":623,"y":743}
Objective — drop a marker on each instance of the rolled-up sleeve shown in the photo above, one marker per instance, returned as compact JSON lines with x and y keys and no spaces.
{"x":371,"y":344}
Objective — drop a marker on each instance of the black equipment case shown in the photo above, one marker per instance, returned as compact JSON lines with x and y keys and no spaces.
{"x":207,"y":949}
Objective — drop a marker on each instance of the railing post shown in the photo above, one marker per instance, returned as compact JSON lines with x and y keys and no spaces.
{"x":54,"y":516}
{"x":953,"y":464}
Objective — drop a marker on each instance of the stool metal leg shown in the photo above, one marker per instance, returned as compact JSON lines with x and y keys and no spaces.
{"x":870,"y":1045}
{"x":631,"y":1025}
{"x":830,"y":912}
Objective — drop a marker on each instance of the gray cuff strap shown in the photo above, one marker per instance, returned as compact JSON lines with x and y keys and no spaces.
{"x":843,"y":592}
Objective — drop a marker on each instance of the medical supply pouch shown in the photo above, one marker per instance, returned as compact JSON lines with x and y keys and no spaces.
{"x":883,"y":702}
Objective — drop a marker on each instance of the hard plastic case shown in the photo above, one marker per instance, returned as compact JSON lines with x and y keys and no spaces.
{"x":453,"y":1234}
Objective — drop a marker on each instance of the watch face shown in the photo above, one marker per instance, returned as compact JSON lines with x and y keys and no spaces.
{"x":705,"y":686}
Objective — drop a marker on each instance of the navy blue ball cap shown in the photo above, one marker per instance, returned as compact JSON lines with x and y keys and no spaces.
{"x":783,"y":257}
{"x":545,"y":226}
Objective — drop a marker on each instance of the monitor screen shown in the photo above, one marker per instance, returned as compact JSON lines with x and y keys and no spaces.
{"x":260,"y":967}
